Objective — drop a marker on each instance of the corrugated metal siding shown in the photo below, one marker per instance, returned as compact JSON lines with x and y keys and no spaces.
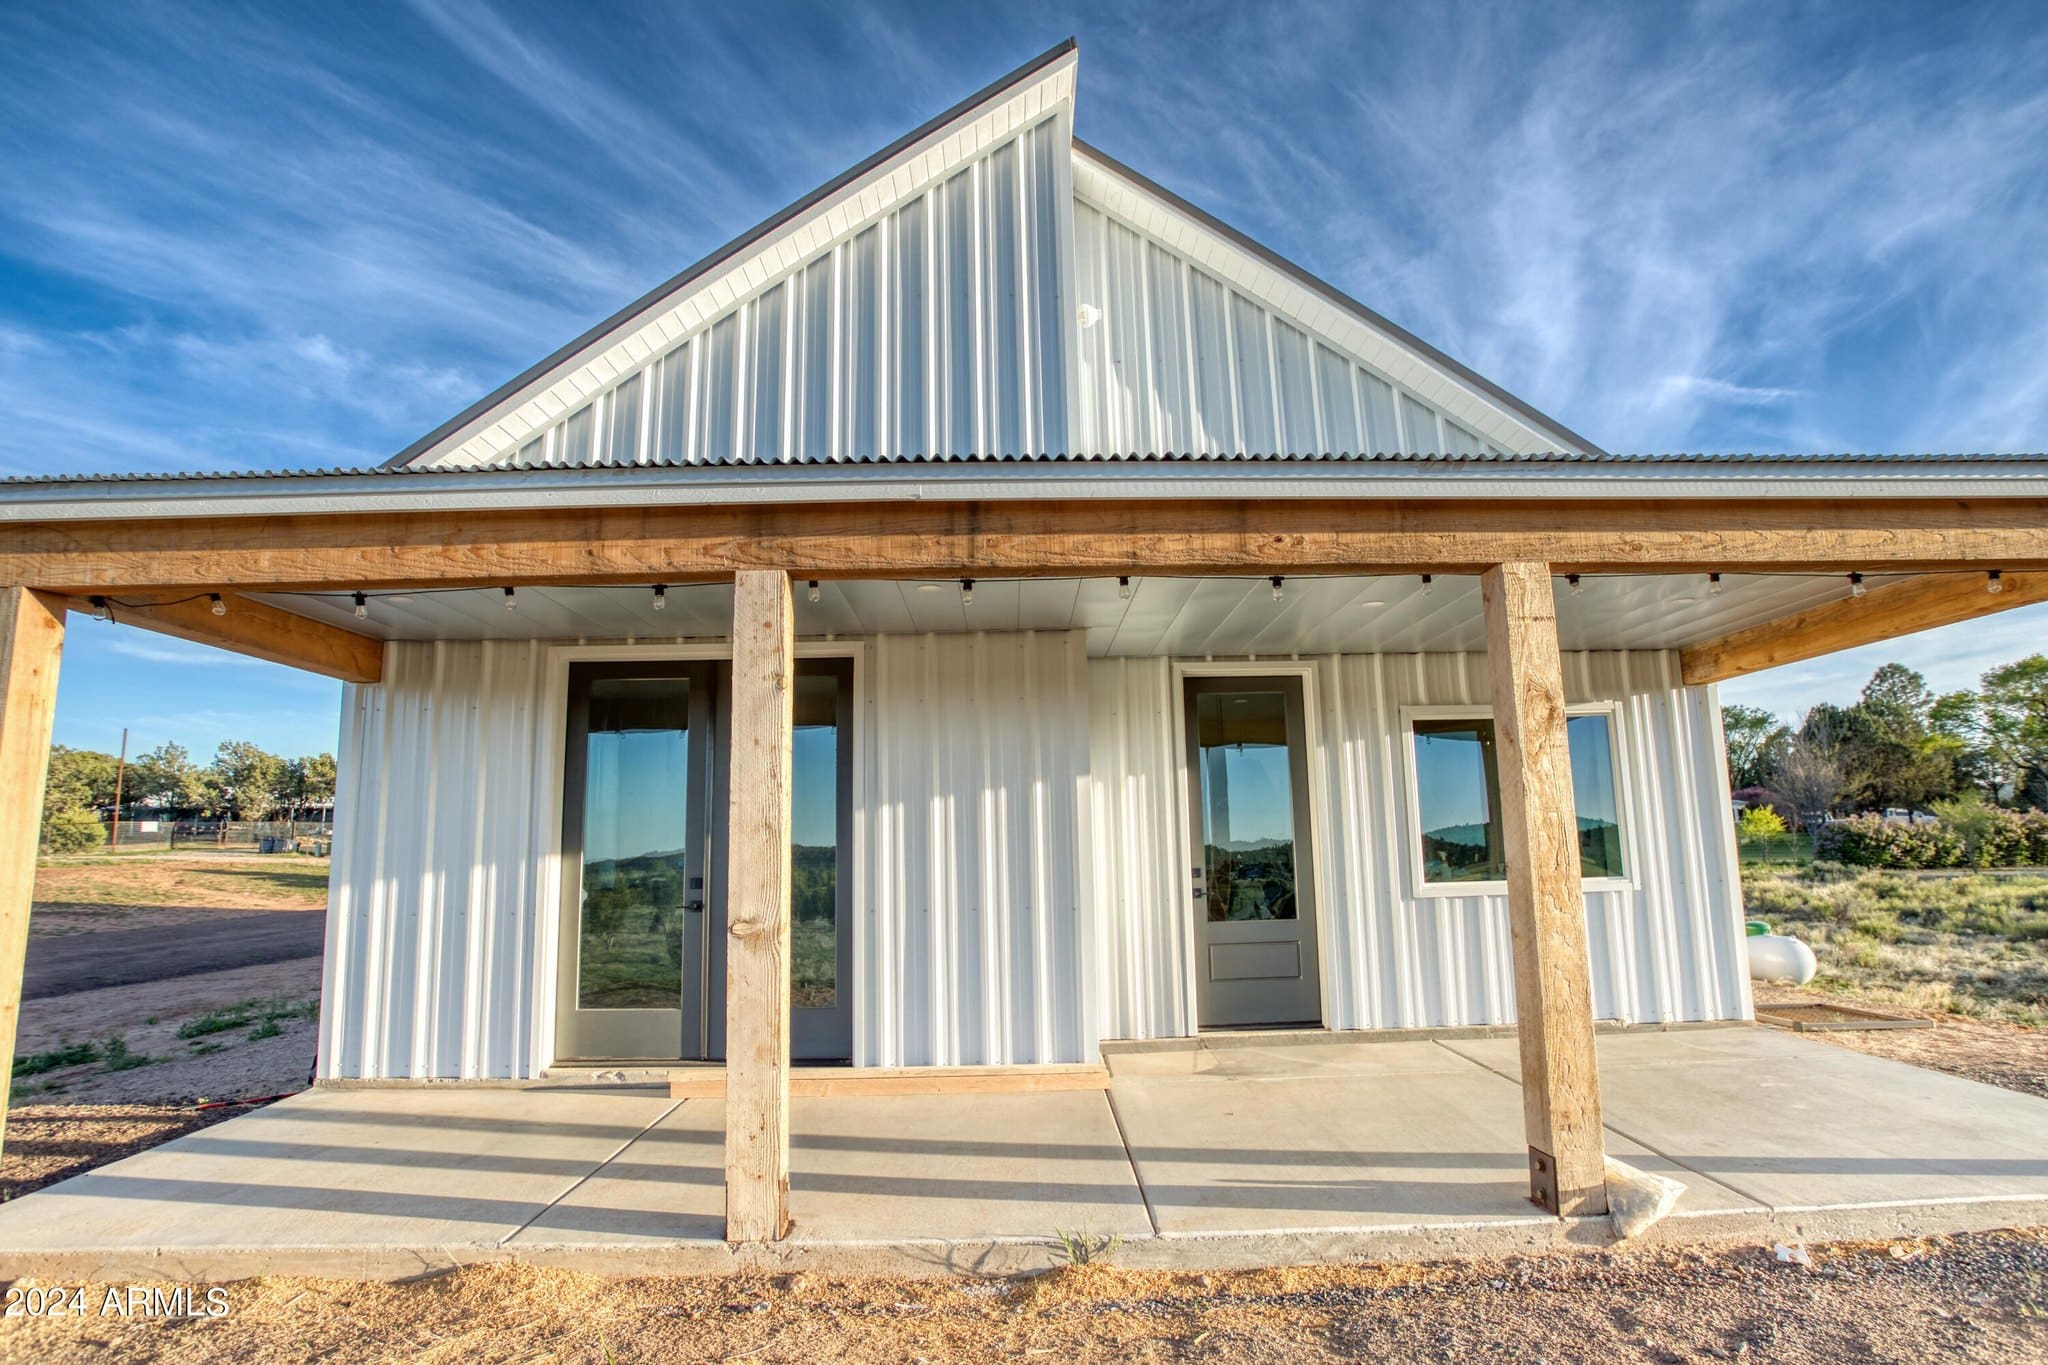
{"x":1176,"y":360}
{"x":440,"y":822}
{"x":971,"y":952}
{"x":1143,"y":932}
{"x":936,"y":329}
{"x":1668,"y":948}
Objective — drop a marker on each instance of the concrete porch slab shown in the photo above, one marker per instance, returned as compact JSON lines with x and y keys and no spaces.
{"x":1793,"y":1123}
{"x":1313,"y":1138}
{"x":908,"y":1168}
{"x":344,"y":1169}
{"x":1198,"y":1157}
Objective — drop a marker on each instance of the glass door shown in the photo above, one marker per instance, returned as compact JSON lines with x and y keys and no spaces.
{"x":636,"y":826}
{"x":643,"y":837}
{"x":1254,"y":885}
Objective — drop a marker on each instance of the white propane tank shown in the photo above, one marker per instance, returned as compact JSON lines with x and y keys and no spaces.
{"x":1780,"y":957}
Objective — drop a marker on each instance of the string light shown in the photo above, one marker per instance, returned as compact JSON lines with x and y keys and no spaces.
{"x":1994,"y":581}
{"x":1578,"y":588}
{"x":99,"y":608}
{"x":661,"y":596}
{"x":1123,"y":588}
{"x":1856,"y":588}
{"x":1428,"y":584}
{"x":511,"y":599}
{"x":362,"y":606}
{"x":811,"y":590}
{"x":966,"y":592}
{"x":1278,"y":582}
{"x":1713,"y":585}
{"x":220,"y":607}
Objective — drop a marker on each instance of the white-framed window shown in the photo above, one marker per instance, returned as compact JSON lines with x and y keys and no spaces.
{"x":1454,"y":799}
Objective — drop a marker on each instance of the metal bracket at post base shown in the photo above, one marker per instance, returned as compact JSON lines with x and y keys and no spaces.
{"x":1543,"y":1180}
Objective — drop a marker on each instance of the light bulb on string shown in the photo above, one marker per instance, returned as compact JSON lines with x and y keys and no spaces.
{"x":1428,"y":584}
{"x":1278,"y":584}
{"x":1994,"y":581}
{"x":220,"y":607}
{"x":511,"y":599}
{"x":1578,"y":588}
{"x":660,"y":597}
{"x":362,"y":606}
{"x":1123,"y":588}
{"x":966,"y":592}
{"x":1856,"y":588}
{"x":811,"y":590}
{"x":1713,"y":585}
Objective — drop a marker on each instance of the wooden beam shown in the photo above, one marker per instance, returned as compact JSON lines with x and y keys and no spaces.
{"x":757,"y":910}
{"x":260,"y":631}
{"x":1018,"y":539}
{"x":1883,"y":613}
{"x":1546,"y":903}
{"x":31,"y":643}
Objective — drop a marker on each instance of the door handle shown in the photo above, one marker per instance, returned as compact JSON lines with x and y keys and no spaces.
{"x":1201,"y":894}
{"x":694,"y":907}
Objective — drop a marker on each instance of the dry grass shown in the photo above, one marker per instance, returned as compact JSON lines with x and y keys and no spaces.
{"x":1981,"y":1298}
{"x":128,"y":891}
{"x":1973,"y":946}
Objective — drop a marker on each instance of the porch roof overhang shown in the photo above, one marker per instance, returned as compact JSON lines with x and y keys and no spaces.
{"x":1541,"y":477}
{"x":287,"y":551}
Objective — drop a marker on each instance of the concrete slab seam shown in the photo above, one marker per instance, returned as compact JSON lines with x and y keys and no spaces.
{"x":581,"y":1180}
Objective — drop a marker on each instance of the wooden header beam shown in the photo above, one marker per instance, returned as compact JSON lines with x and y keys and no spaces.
{"x":260,"y":631}
{"x":1883,"y":613}
{"x":487,"y":548}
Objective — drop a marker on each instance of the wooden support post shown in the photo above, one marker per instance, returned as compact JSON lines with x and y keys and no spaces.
{"x":757,"y":910}
{"x":31,"y":641}
{"x":1546,"y":903}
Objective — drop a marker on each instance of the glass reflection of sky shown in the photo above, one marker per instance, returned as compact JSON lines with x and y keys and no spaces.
{"x":1450,"y":773}
{"x":636,"y":798}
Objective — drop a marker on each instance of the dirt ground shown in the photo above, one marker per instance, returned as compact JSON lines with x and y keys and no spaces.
{"x":134,"y":891}
{"x":101,"y":1074}
{"x":2000,"y":1054}
{"x":1975,"y":1298}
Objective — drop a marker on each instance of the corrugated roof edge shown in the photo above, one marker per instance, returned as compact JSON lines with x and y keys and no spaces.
{"x":725,"y":253}
{"x":1337,"y":296}
{"x":1817,"y":460}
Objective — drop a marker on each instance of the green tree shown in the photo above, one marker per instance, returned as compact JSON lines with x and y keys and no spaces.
{"x":2012,"y":720}
{"x":167,"y":776}
{"x":251,"y":779}
{"x":1756,"y":741}
{"x":309,"y":781}
{"x":1760,"y":823}
{"x":81,"y":779}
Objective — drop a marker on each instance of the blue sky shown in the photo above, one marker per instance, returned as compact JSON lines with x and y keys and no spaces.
{"x":275,"y":235}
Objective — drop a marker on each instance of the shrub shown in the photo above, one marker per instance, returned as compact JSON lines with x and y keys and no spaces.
{"x":72,"y":830}
{"x":1869,"y":841}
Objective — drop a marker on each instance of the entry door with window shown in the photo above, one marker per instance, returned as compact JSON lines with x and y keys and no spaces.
{"x":1254,"y":883}
{"x":643,"y":837}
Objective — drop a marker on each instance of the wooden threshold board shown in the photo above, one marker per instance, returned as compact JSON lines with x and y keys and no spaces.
{"x":809,"y":1082}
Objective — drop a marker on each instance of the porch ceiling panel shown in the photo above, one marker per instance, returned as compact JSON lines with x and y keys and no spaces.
{"x":1187,"y":617}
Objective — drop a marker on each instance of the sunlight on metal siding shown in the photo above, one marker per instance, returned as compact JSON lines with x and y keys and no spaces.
{"x":1143,"y":935}
{"x":1176,"y":361}
{"x":935,"y":330}
{"x":971,"y":951}
{"x":1667,"y":948}
{"x":439,"y":822}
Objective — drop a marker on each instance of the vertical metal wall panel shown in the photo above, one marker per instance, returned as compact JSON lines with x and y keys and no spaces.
{"x":1169,"y":358}
{"x":1143,"y":942}
{"x":439,"y":831}
{"x":948,"y":307}
{"x":977,"y":904}
{"x":1666,"y":948}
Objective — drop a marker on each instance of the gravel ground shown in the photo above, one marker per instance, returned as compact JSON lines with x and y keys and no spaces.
{"x":1974,"y":1298}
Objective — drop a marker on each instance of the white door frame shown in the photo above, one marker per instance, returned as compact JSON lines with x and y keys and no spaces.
{"x":1184,"y":669}
{"x":552,"y":735}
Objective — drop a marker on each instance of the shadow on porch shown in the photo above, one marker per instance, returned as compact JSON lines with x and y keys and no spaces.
{"x":1194,"y":1156}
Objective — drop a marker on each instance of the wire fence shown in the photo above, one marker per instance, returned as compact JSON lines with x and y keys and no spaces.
{"x":235,"y":836}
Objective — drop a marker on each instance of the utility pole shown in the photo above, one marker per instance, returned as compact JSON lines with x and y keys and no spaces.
{"x":120,"y":774}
